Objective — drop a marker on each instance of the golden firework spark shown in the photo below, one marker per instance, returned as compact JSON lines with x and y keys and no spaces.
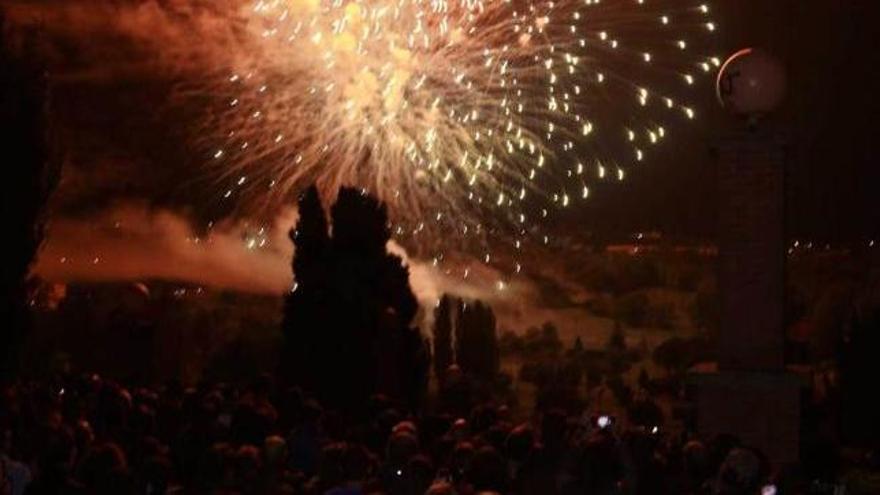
{"x":459,"y":114}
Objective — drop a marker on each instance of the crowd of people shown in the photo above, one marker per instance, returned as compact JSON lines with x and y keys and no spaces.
{"x":87,"y":434}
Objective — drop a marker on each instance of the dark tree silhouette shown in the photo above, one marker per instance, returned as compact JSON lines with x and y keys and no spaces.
{"x":31,"y":175}
{"x":577,"y":349}
{"x":550,"y":338}
{"x":618,"y":355}
{"x":858,"y":373}
{"x":617,"y":340}
{"x":705,"y":310}
{"x":312,"y":240}
{"x":346,"y":323}
{"x":671,"y":355}
{"x":644,"y":379}
{"x":676,"y":355}
{"x":476,"y":341}
{"x":443,"y":323}
{"x":477,"y":350}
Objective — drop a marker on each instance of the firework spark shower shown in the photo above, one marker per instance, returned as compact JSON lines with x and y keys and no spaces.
{"x":474,"y":121}
{"x":466,"y":116}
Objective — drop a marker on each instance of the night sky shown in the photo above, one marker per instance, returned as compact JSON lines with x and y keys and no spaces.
{"x":125,"y":145}
{"x":830,"y":116}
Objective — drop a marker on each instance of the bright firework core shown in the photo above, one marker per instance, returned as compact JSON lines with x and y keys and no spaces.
{"x":472,"y":117}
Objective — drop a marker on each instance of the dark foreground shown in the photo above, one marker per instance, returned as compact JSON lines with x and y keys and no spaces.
{"x":90,"y":435}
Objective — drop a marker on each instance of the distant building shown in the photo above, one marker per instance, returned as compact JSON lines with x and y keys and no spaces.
{"x":655,"y":242}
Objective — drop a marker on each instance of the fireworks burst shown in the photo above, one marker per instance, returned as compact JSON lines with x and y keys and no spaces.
{"x":464,"y":116}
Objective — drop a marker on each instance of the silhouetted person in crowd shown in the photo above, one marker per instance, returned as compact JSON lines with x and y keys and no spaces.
{"x":256,"y":438}
{"x":55,"y":461}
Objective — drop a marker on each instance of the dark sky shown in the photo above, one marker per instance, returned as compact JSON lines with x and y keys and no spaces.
{"x":830,"y":50}
{"x":828,"y":47}
{"x":131,"y":208}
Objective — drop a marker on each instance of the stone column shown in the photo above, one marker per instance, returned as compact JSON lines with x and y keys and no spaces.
{"x":751,"y":249}
{"x":751,"y":396}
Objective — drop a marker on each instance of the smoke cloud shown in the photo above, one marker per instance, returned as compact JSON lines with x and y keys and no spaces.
{"x":132,"y":242}
{"x":135,"y":243}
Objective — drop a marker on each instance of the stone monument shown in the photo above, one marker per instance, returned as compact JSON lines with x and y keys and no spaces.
{"x":751,"y":395}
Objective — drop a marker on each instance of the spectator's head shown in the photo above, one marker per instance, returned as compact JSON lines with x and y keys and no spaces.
{"x":387,"y":419}
{"x":5,"y":440}
{"x":83,"y":435}
{"x":496,"y":436}
{"x":154,"y":475}
{"x":503,"y":412}
{"x":460,"y":429}
{"x":641,"y":445}
{"x":103,"y":467}
{"x":718,"y":448}
{"x":401,"y":447}
{"x":333,"y":425}
{"x":357,"y":463}
{"x":55,"y":451}
{"x":147,"y":397}
{"x":331,"y":465}
{"x":215,"y":466}
{"x":150,"y":447}
{"x":453,"y":373}
{"x":312,"y":411}
{"x":696,"y":462}
{"x":740,"y":473}
{"x":483,"y":417}
{"x":441,"y":488}
{"x":487,"y":470}
{"x":520,"y":443}
{"x":263,"y":386}
{"x":143,"y":420}
{"x":405,"y":427}
{"x":419,"y":473}
{"x":113,"y":408}
{"x":601,"y":462}
{"x":553,"y":429}
{"x":460,"y":459}
{"x":291,"y":406}
{"x":248,"y":465}
{"x":275,"y":452}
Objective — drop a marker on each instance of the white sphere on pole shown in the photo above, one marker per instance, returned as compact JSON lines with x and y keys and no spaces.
{"x":751,"y":83}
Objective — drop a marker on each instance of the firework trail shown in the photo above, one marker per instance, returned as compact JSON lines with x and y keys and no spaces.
{"x":469,"y":118}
